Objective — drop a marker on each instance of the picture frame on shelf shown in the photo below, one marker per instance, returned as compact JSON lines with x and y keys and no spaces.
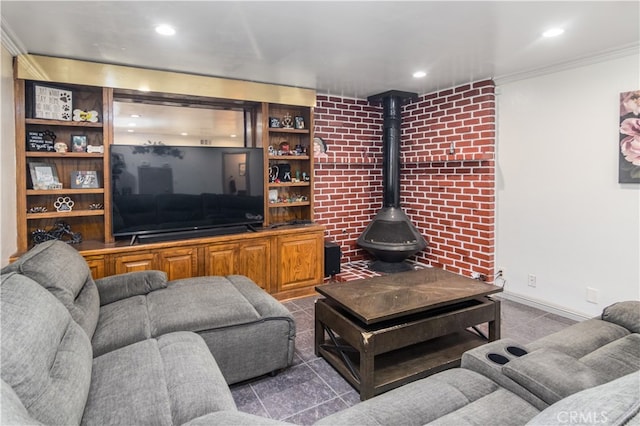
{"x":52,"y":103}
{"x":298,"y":122}
{"x":84,"y":179}
{"x":79,"y":143}
{"x":44,"y":176}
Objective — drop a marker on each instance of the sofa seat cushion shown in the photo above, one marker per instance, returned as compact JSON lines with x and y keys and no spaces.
{"x":613,"y":403}
{"x":163,"y":381}
{"x":457,"y":394}
{"x":198,"y":304}
{"x":46,"y":356}
{"x":616,"y":359}
{"x":581,"y":338}
{"x":121,"y":323}
{"x":64,"y":272}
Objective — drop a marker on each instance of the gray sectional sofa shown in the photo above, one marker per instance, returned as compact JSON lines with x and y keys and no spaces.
{"x":74,"y":352}
{"x":133,"y":348}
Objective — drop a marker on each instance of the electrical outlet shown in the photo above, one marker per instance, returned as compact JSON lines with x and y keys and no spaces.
{"x":532,"y":280}
{"x":592,"y":295}
{"x":500,"y":272}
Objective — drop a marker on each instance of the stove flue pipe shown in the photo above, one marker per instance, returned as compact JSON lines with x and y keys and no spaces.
{"x":391,"y":105}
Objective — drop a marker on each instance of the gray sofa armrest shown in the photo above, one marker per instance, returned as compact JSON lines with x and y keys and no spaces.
{"x":122,"y":286}
{"x":552,"y":375}
{"x":626,"y":314}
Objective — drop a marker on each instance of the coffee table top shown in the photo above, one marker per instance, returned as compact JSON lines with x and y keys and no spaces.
{"x":391,"y":296}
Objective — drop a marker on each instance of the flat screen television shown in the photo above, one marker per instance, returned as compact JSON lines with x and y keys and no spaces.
{"x":167,"y":192}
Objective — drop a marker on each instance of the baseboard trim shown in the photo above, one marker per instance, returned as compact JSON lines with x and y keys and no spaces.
{"x":545,"y":306}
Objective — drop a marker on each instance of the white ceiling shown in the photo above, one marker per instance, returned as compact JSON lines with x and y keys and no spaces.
{"x":347,"y":48}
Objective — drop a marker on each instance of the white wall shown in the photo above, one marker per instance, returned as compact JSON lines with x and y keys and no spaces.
{"x":561,"y":214}
{"x":7,"y":161}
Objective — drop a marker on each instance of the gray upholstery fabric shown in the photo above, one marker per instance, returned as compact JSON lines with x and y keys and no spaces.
{"x":46,"y":356}
{"x":616,"y":359}
{"x":121,"y":323}
{"x":13,"y":412}
{"x":613,"y":403}
{"x":234,"y":418}
{"x":426,"y":400}
{"x":64,"y":272}
{"x":626,"y":314}
{"x":552,"y":375}
{"x":581,"y":338}
{"x":211,"y":301}
{"x":122,"y":286}
{"x":163,"y":381}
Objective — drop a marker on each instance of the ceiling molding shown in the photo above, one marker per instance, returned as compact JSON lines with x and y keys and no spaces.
{"x":621,"y":52}
{"x":10,"y":41}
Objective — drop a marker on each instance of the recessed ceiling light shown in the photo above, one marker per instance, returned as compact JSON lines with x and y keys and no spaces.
{"x":166,"y":30}
{"x":132,"y":124}
{"x":233,"y":136}
{"x":184,"y":134}
{"x":419,"y":74}
{"x":135,"y":115}
{"x":553,"y":32}
{"x":130,"y":130}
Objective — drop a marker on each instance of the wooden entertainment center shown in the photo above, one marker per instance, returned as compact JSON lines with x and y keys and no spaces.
{"x":285,"y":257}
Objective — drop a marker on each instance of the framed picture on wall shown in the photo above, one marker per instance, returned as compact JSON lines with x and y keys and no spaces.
{"x":628,"y":151}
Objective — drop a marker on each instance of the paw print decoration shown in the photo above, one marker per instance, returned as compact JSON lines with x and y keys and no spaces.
{"x":90,"y":116}
{"x":64,"y":204}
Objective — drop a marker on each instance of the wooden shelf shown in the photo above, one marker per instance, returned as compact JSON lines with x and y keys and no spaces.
{"x":295,"y":204}
{"x":41,"y":154}
{"x":287,"y":130}
{"x":65,"y":191}
{"x":286,"y":184}
{"x":47,"y":122}
{"x":289,"y":157}
{"x":72,"y":213}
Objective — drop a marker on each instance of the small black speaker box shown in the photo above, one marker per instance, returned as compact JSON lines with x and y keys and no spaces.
{"x":331,"y":259}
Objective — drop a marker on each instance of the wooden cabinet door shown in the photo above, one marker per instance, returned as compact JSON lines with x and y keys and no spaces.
{"x":96,"y":266}
{"x":253,"y":262}
{"x":300,"y":261}
{"x":179,"y":263}
{"x":220,"y":259}
{"x":135,"y":262}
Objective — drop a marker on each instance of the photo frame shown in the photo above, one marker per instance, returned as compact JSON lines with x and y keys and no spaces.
{"x":52,"y":103}
{"x":84,"y":179}
{"x":44,"y":176}
{"x":242,"y":169}
{"x":298,"y":122}
{"x":79,"y":143}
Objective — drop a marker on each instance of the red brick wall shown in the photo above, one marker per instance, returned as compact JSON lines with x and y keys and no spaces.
{"x":449,"y":197}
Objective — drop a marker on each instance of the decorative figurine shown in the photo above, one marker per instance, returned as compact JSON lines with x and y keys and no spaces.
{"x":287,"y":121}
{"x":64,"y":204}
{"x":59,"y":231}
{"x":90,"y":116}
{"x":60,"y":147}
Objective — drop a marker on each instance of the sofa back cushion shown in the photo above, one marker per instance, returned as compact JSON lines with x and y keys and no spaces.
{"x":46,"y":356}
{"x":64,"y":272}
{"x":626,"y":314}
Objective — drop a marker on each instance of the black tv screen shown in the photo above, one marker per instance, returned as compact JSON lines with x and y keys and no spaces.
{"x":163,"y":189}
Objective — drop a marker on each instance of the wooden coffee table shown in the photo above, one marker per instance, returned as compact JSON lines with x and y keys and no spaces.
{"x":383,"y":332}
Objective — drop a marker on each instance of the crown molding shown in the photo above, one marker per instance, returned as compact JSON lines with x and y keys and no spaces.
{"x":10,"y":41}
{"x":608,"y":55}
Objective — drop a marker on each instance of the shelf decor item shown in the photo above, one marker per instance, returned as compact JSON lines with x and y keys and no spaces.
{"x":96,"y":206}
{"x":41,"y":141}
{"x":95,"y":149}
{"x":60,"y":147}
{"x":90,"y":116}
{"x":299,"y":122}
{"x":44,"y":176}
{"x":287,"y":121}
{"x":78,"y":143}
{"x":64,"y":204}
{"x":84,"y":179}
{"x":52,"y":103}
{"x":274,"y":122}
{"x":59,"y":231}
{"x":37,"y":209}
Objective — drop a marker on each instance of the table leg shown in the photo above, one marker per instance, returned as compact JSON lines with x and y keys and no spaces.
{"x":494,"y":326}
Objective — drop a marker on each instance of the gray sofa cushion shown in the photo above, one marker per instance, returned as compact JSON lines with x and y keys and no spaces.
{"x":551,"y":375}
{"x":46,"y":356}
{"x":458,"y":394}
{"x":64,"y":272}
{"x":235,"y":418}
{"x":613,"y":403}
{"x":121,"y":323}
{"x":122,"y":286}
{"x":626,"y":314}
{"x":164,"y":381}
{"x":616,"y":359}
{"x":13,"y":412}
{"x":581,"y":338}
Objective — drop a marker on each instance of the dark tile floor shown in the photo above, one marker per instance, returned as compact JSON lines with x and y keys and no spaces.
{"x":312,"y":389}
